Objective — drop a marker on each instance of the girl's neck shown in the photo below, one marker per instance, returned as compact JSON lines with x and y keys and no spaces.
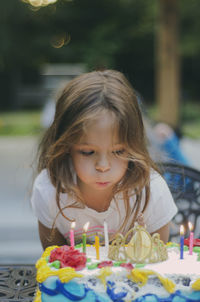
{"x":98,"y":201}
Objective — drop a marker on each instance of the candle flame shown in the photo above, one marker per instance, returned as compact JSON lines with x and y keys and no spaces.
{"x":86,"y":226}
{"x":182,"y":230}
{"x":190,"y":225}
{"x":73,"y":224}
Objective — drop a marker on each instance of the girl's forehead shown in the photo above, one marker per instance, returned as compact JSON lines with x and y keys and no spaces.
{"x":102,"y":128}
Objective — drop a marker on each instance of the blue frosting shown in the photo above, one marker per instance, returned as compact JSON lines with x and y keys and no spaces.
{"x":116,"y":297}
{"x":178,"y":296}
{"x":53,"y":290}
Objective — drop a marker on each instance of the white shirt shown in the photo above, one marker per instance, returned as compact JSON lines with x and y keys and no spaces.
{"x":159,"y":211}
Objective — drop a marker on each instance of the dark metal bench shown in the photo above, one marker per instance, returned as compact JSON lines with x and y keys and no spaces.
{"x":184,"y":184}
{"x":17,"y":283}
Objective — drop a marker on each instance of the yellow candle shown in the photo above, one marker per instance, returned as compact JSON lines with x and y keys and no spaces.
{"x":97,"y":246}
{"x":84,"y":237}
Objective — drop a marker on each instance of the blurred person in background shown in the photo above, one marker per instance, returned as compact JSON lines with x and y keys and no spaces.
{"x":163,"y":140}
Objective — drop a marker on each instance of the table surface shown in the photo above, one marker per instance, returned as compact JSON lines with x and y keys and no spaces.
{"x":17,"y":283}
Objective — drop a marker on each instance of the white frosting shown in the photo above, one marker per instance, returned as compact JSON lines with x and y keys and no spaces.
{"x":173,"y":265}
{"x":176,"y":266}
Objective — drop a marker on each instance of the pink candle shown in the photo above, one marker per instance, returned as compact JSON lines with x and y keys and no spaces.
{"x":191,"y":238}
{"x":71,"y":233}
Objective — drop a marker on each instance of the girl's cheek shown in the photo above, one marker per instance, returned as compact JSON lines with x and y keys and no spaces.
{"x":85,"y":162}
{"x":121,"y":162}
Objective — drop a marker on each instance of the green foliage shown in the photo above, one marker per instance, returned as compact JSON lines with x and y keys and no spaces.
{"x":191,"y":119}
{"x":116,"y":34}
{"x":20,"y":123}
{"x":28,"y":122}
{"x":99,"y":33}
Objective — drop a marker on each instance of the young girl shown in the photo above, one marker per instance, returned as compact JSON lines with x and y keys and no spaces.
{"x":94,"y":165}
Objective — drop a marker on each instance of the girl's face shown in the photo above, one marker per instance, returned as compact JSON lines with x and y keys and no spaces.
{"x":96,"y":158}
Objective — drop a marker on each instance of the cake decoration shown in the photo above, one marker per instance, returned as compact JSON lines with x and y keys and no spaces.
{"x":141,"y":248}
{"x":68,"y":257}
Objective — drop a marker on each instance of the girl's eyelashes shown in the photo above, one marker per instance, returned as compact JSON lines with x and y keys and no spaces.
{"x":86,"y":153}
{"x":91,"y":152}
{"x":119,"y":152}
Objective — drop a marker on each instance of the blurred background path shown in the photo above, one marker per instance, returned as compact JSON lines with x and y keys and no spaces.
{"x":19,"y":239}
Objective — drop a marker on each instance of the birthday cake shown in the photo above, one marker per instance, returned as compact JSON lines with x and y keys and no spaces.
{"x":119,"y":273}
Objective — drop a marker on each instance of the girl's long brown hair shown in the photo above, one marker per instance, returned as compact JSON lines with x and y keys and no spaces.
{"x":81,"y":101}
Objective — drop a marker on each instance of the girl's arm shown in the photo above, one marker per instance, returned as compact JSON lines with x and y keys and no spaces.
{"x":48,"y":238}
{"x":164,"y":233}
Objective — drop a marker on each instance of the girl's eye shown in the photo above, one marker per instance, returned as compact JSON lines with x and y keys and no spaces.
{"x":86,"y":153}
{"x":119,"y":152}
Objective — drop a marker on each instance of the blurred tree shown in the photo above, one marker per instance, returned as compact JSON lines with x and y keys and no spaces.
{"x":167,"y":63}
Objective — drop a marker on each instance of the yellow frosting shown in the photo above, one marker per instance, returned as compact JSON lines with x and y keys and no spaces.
{"x":104,"y":272}
{"x":196,"y":285}
{"x":141,"y":276}
{"x":38,"y":296}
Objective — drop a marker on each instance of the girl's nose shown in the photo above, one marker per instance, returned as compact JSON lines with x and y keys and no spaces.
{"x":103,"y":164}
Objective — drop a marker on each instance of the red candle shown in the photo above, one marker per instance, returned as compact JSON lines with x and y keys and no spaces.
{"x":191,"y":238}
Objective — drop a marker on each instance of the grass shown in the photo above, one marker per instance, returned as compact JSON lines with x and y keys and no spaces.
{"x":28,"y":122}
{"x":191,"y":120}
{"x":20,"y":123}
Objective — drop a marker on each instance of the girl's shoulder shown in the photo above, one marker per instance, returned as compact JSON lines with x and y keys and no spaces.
{"x":155,"y":176}
{"x":157,"y":182}
{"x":43,"y":183}
{"x":42,"y":178}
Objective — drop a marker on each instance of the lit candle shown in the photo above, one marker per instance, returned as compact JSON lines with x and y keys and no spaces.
{"x":85,"y":228}
{"x":191,"y":238}
{"x":97,"y":246}
{"x":181,"y":241}
{"x":106,"y":238}
{"x":71,"y":234}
